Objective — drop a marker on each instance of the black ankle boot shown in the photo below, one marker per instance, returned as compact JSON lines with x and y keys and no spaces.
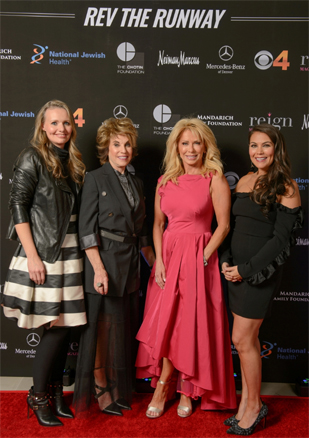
{"x":39,"y":403}
{"x":56,"y":396}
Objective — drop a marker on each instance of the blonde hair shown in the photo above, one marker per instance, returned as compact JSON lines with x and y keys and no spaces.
{"x":113,"y":127}
{"x":76,"y":167}
{"x":172,"y":164}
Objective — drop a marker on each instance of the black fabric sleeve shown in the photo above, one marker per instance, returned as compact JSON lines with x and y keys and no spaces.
{"x":24,"y":184}
{"x":276,"y":251}
{"x":88,"y":215}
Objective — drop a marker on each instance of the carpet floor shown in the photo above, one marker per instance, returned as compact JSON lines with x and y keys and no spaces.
{"x":287,"y":418}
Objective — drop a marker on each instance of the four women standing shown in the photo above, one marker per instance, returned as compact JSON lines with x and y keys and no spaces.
{"x":185,"y":325}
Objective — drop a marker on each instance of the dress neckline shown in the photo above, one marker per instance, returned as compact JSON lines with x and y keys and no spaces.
{"x":189,"y":177}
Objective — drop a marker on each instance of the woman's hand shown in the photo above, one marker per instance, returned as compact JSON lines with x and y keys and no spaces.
{"x":36,"y":269}
{"x":101,"y":278}
{"x":160,"y":274}
{"x":231,"y":273}
{"x":100,"y":281}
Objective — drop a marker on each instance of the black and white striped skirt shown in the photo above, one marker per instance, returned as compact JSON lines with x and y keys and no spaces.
{"x":57,"y":302}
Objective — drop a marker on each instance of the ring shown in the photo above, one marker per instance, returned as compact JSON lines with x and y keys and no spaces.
{"x":99,"y":284}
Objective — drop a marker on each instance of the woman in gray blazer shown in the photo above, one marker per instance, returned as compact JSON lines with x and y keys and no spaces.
{"x":112,"y":232}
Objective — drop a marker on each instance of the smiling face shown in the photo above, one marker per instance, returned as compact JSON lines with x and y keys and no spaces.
{"x":191,"y":150}
{"x":261,"y":151}
{"x":120,"y":152}
{"x":57,"y":125}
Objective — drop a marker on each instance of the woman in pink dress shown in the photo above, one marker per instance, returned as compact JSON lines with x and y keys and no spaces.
{"x":185,"y":327}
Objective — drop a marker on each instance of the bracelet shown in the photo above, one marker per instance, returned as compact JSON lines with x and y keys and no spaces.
{"x":205,"y":261}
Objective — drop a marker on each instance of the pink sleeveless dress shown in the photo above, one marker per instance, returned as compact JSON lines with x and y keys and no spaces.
{"x":187,"y":322}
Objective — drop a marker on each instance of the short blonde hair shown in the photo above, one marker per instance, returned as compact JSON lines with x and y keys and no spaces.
{"x":113,"y":127}
{"x":172,"y":165}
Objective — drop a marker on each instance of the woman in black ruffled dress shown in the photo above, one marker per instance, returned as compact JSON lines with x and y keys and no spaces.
{"x":266,"y":211}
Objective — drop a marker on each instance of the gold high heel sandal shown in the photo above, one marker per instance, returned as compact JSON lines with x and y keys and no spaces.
{"x":156,"y":410}
{"x":186,"y":409}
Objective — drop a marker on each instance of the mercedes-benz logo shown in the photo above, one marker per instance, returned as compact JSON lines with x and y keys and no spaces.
{"x":33,"y":339}
{"x":120,"y":112}
{"x":226,"y":53}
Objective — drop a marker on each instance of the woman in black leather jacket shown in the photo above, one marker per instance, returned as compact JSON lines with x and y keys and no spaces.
{"x":44,"y":283}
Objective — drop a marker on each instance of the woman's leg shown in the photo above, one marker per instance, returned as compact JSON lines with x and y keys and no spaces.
{"x":51,"y":353}
{"x":161,"y":392}
{"x":245,"y":338}
{"x":100,"y":377}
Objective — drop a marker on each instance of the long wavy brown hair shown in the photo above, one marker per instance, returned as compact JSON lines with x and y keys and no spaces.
{"x":275,"y":183}
{"x":76,"y":167}
{"x":172,"y":165}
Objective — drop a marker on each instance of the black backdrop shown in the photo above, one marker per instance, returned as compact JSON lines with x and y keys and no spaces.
{"x":230,"y":63}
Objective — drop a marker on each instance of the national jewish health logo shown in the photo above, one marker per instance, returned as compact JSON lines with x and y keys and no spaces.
{"x":133,"y":61}
{"x":267,"y":349}
{"x":38,"y":50}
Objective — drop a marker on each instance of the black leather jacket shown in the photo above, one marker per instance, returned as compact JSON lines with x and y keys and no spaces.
{"x":43,"y":201}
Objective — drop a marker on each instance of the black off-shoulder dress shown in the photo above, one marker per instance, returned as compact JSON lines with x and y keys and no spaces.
{"x":259,"y":246}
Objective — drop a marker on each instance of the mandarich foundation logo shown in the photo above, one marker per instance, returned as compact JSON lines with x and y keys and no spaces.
{"x":38,"y":50}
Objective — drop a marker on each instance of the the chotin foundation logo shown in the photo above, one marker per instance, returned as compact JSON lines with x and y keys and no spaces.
{"x":277,"y":121}
{"x":225,"y":54}
{"x":132,"y":62}
{"x":165,"y":119}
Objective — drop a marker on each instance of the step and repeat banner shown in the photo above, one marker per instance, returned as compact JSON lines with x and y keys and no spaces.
{"x":232,"y":64}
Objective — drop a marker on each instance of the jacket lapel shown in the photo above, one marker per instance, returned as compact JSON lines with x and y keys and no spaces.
{"x":116,"y":189}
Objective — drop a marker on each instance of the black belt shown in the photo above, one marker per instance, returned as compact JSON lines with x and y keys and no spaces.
{"x":132,"y":240}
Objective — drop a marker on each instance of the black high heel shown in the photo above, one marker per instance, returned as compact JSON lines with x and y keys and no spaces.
{"x":111,"y":409}
{"x":39,"y":403}
{"x":56,"y":396}
{"x":121,"y":402}
{"x":237,"y":430}
{"x":231,"y":421}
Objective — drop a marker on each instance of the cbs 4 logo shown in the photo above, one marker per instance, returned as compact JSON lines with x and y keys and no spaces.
{"x":263,"y":60}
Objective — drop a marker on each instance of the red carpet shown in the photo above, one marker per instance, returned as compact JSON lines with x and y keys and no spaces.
{"x":288,"y":417}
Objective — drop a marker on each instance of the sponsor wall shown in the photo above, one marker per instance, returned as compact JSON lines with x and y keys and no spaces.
{"x":230,"y":63}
